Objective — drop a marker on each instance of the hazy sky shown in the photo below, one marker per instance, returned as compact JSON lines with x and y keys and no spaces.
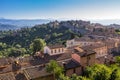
{"x":60,"y":9}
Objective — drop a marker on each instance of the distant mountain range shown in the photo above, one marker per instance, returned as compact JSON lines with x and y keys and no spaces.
{"x":6,"y":24}
{"x":107,"y":21}
{"x":8,"y":27}
{"x":110,"y":23}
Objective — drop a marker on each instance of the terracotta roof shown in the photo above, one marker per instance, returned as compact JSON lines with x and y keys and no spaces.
{"x":84,"y":53}
{"x":9,"y":66}
{"x":106,"y":59}
{"x":79,"y":49}
{"x":35,"y":72}
{"x":39,"y":70}
{"x":6,"y":69}
{"x":93,"y":46}
{"x":7,"y":76}
{"x":47,"y":58}
{"x":4,"y":61}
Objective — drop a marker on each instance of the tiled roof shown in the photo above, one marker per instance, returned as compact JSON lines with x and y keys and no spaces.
{"x":4,"y":61}
{"x":93,"y":46}
{"x":86,"y":38}
{"x":35,"y":72}
{"x":6,"y":69}
{"x":32,"y":61}
{"x":84,"y":53}
{"x":39,"y":70}
{"x":106,"y":59}
{"x":7,"y":76}
{"x":47,"y":58}
{"x":69,"y":64}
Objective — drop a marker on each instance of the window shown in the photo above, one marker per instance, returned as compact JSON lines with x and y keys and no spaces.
{"x":62,"y":49}
{"x":55,"y":50}
{"x":88,"y":58}
{"x":71,"y":43}
{"x":59,"y":49}
{"x":51,"y":51}
{"x":74,"y":70}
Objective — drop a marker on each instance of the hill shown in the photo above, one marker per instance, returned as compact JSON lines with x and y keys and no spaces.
{"x":20,"y":23}
{"x":7,"y":27}
{"x":53,"y":32}
{"x":50,"y":32}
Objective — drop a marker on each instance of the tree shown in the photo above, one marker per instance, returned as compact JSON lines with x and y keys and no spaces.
{"x":98,"y":72}
{"x":54,"y":68}
{"x":57,"y":71}
{"x":115,"y":72}
{"x":83,"y":78}
{"x":15,"y":52}
{"x":63,"y":77}
{"x":37,"y":45}
{"x":3,"y":46}
{"x":117,"y":59}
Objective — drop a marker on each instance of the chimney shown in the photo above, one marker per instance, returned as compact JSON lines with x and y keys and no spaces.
{"x":41,"y":54}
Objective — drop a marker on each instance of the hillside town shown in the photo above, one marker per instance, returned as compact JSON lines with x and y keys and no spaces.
{"x":59,"y":39}
{"x":99,"y":45}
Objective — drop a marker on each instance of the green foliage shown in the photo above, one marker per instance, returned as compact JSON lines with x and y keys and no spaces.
{"x":115,"y":72}
{"x":117,"y":31}
{"x":37,"y":45}
{"x":103,"y":72}
{"x":63,"y":77}
{"x":98,"y":72}
{"x":3,"y":46}
{"x":83,"y":78}
{"x":53,"y":67}
{"x":75,"y":77}
{"x":15,"y":52}
{"x":117,"y":59}
{"x":25,"y":36}
{"x":12,"y":51}
{"x":57,"y":70}
{"x":95,"y":72}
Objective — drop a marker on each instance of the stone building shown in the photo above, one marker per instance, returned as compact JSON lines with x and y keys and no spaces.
{"x":83,"y":41}
{"x":54,"y":49}
{"x":85,"y":57}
